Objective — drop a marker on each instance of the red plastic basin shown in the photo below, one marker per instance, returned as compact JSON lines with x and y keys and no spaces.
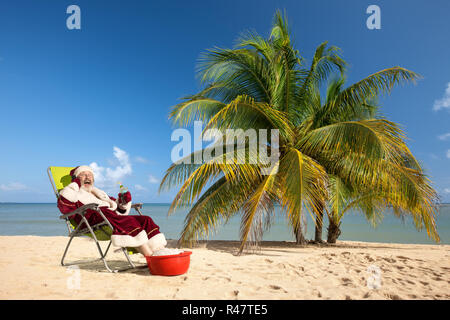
{"x":171,"y":265}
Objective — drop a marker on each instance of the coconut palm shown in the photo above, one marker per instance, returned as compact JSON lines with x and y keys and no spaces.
{"x":265,"y":84}
{"x":371,"y":163}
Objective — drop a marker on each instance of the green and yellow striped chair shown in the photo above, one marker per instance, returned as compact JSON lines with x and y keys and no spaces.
{"x":60,"y":178}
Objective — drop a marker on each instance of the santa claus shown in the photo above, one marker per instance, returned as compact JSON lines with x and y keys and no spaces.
{"x":129,"y":231}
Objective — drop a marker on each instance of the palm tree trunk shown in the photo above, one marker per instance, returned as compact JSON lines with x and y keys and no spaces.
{"x":299,"y":236}
{"x":333,"y":232}
{"x":319,"y":224}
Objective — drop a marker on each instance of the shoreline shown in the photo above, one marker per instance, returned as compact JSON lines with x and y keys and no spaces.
{"x":265,"y":242}
{"x":30,"y":269}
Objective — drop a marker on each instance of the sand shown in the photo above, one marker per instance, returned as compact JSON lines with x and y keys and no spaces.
{"x":30,"y":269}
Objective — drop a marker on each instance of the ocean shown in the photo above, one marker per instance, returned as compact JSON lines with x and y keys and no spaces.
{"x":42,"y":219}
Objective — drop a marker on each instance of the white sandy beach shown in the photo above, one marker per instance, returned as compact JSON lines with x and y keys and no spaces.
{"x":30,"y":269}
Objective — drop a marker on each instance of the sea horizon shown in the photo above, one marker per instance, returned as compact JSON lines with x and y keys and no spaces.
{"x":162,"y":203}
{"x":42,"y":219}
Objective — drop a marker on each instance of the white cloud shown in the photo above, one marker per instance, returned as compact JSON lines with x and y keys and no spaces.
{"x":152,"y":179}
{"x":434,"y":157}
{"x":140,"y":159}
{"x":447,"y":190}
{"x":444,"y":102}
{"x":445,"y":136}
{"x":448,"y":153}
{"x":138,"y":187}
{"x":13,"y":186}
{"x":108,"y":177}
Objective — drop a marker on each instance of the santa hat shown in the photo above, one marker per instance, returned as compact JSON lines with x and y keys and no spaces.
{"x":76,"y":171}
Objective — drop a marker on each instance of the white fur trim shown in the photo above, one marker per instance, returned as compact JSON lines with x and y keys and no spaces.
{"x":112,"y":205}
{"x":157,"y":242}
{"x":100,"y":194}
{"x":80,"y":169}
{"x":73,"y":193}
{"x":125,"y":207}
{"x":70,"y":192}
{"x":86,"y":197}
{"x":129,"y":241}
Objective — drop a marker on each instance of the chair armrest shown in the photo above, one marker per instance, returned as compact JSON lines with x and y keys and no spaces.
{"x":81,"y":210}
{"x":136,"y":205}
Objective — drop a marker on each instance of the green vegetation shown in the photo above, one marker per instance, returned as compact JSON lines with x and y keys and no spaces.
{"x":336,"y":152}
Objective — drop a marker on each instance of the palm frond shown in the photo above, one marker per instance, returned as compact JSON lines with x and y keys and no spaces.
{"x":195,"y":109}
{"x":258,"y":205}
{"x":242,"y":67}
{"x":233,"y":161}
{"x":302,"y":184}
{"x":245,"y":113}
{"x":375,"y":138}
{"x":372,"y":86}
{"x":216,"y":205}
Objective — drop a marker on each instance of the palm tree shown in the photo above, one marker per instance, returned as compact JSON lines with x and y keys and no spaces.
{"x":264,"y":84}
{"x":371,"y":163}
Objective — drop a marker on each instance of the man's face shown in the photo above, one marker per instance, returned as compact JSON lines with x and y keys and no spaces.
{"x":87,"y":180}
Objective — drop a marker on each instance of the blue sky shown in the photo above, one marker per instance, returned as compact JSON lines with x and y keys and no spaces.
{"x":102,"y":94}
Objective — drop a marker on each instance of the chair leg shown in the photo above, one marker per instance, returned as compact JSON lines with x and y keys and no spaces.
{"x":128,"y":258}
{"x":102,"y":255}
{"x":107,"y":249}
{"x":72,"y":235}
{"x":75,"y":262}
{"x":65,"y":251}
{"x":124,"y":250}
{"x":99,"y":247}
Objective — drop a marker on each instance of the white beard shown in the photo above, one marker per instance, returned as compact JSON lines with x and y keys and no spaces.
{"x":87,"y":188}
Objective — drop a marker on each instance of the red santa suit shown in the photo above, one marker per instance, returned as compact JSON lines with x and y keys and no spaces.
{"x":128,"y":230}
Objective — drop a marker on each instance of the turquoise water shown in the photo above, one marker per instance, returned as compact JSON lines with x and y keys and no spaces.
{"x":43,"y":220}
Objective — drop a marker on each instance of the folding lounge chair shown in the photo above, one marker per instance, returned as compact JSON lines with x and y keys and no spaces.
{"x":60,"y":178}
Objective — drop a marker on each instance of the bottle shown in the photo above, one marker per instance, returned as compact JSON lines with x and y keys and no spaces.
{"x":122,"y":188}
{"x":122,"y":191}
